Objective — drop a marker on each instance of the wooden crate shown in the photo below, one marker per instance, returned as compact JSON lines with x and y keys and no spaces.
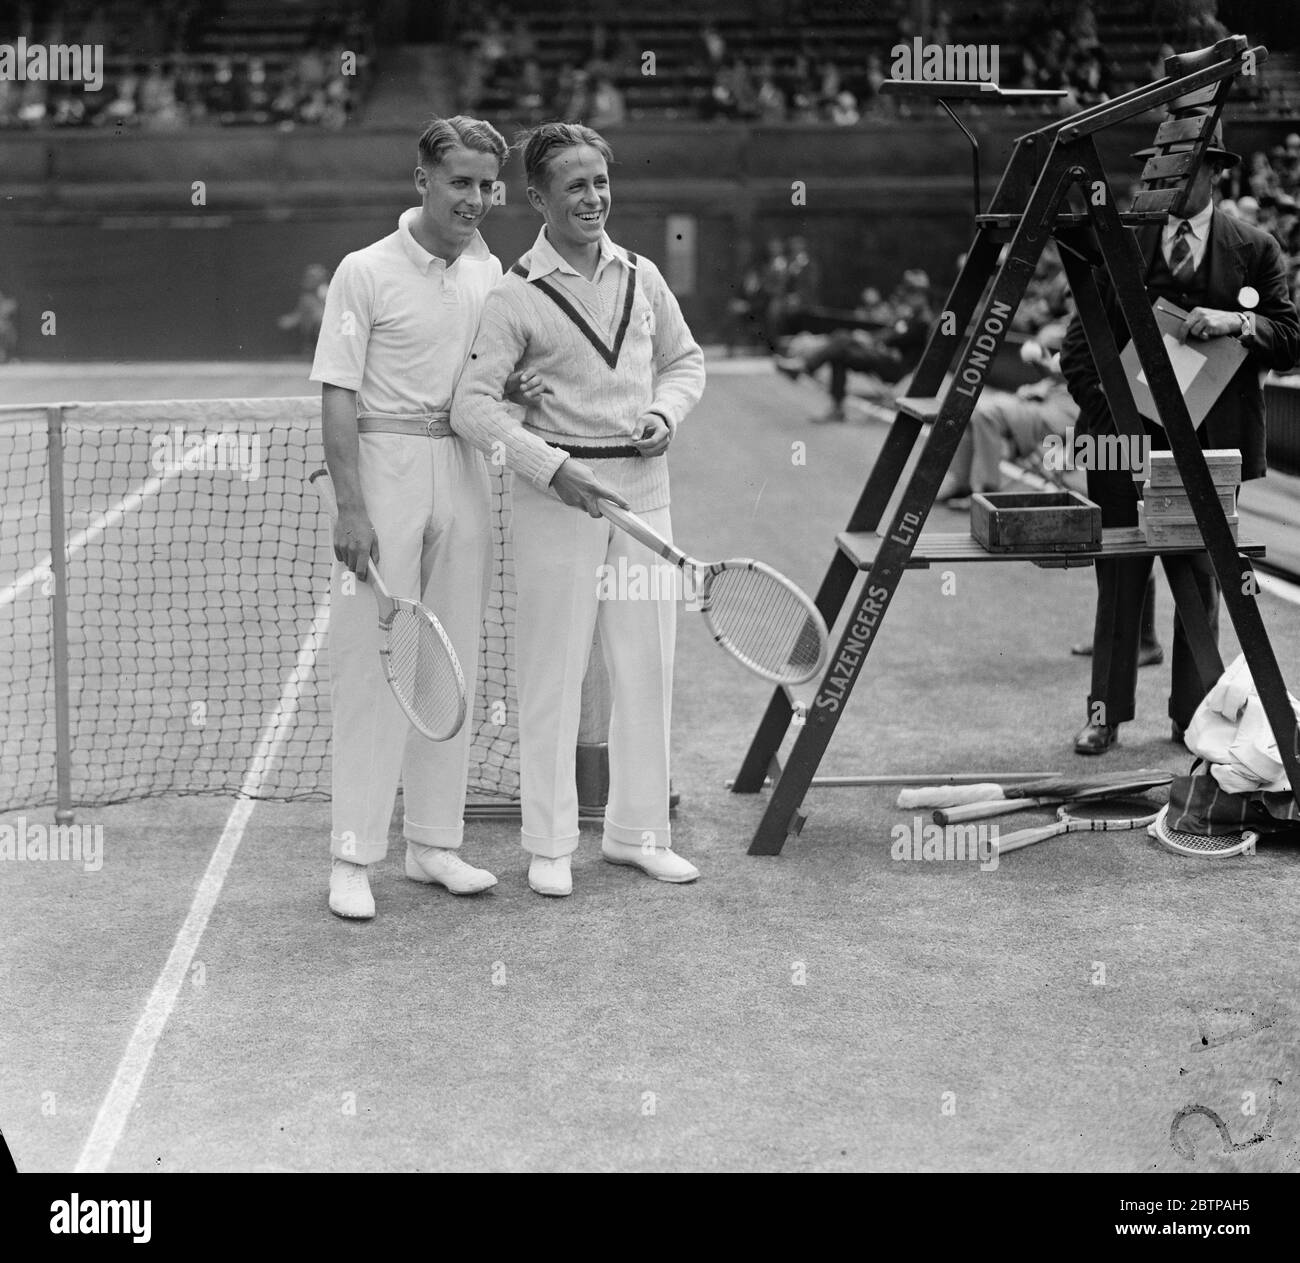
{"x":1050,"y":521}
{"x":1174,"y":502}
{"x":1224,"y":464}
{"x":1181,"y":532}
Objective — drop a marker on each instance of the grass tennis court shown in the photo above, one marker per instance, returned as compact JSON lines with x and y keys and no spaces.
{"x":828,"y":1009}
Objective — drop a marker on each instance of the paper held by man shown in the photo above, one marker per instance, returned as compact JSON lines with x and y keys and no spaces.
{"x":1202,"y":369}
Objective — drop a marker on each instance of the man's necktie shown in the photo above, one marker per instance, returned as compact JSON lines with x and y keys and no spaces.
{"x":1180,"y":257}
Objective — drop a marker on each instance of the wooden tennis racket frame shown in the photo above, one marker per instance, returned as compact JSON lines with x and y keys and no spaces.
{"x":1029,"y":209}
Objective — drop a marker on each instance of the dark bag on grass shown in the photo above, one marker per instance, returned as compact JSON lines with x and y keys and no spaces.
{"x":1199,"y":805}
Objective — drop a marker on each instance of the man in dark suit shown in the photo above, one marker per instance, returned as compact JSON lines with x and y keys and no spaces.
{"x":1230,"y":278}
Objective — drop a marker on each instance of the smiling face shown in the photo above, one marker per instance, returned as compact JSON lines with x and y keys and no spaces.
{"x":576,"y":198}
{"x":455,"y":194}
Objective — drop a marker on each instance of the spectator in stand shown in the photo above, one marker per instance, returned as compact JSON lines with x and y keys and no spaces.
{"x":306,"y":317}
{"x":576,"y":106}
{"x":803,"y":282}
{"x":522,"y":45}
{"x":1286,"y":163}
{"x":33,"y":103}
{"x":831,"y":84}
{"x":124,"y":107}
{"x":607,"y":107}
{"x":531,"y":98}
{"x":1247,"y":210}
{"x":844,"y":110}
{"x":1088,"y":78}
{"x":190,"y":92}
{"x":720,"y":100}
{"x":876,"y":102}
{"x":1083,"y":31}
{"x":715,"y":47}
{"x":890,"y":356}
{"x":769,"y":97}
{"x":1261,"y":179}
{"x":803,"y":108}
{"x":769,"y":297}
{"x":492,"y":46}
{"x":8,"y":329}
{"x":1047,"y":296}
{"x":259,"y":91}
{"x":1049,"y":58}
{"x":1018,"y":422}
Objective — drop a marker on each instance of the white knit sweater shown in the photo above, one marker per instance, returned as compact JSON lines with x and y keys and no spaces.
{"x":602,"y":381}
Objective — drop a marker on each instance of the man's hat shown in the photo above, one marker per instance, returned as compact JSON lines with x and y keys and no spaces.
{"x":1214,"y":149}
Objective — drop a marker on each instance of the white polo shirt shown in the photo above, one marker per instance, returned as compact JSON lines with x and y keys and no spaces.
{"x":399,"y":322}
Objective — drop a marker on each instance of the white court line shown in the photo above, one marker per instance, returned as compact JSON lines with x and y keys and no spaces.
{"x":122,"y":1092}
{"x":128,"y":504}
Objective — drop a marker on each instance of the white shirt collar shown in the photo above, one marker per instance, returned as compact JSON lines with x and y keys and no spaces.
{"x":1200,"y":223}
{"x":424,"y":259}
{"x":544,"y":258}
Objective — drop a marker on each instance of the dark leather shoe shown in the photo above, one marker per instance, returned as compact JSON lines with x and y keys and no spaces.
{"x":1176,"y":732}
{"x":1096,"y":739}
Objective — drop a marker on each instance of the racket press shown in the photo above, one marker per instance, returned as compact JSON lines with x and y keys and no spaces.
{"x":1031,"y":207}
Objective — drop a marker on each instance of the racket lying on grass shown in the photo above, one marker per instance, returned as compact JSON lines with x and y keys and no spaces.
{"x":754,"y":612}
{"x":419,"y":661}
{"x":1057,"y":789}
{"x":1099,"y":817}
{"x":1196,"y":844}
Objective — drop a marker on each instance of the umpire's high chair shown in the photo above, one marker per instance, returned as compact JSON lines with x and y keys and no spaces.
{"x":1030,"y":207}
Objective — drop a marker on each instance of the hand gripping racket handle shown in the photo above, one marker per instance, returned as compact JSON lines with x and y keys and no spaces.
{"x":321,"y":481}
{"x":642,"y":532}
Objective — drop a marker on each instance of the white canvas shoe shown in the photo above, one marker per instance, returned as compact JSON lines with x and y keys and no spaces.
{"x":660,"y":863}
{"x":550,"y":877}
{"x":350,"y":895}
{"x":442,"y":865}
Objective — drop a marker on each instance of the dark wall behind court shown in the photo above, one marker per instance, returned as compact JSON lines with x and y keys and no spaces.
{"x":101,"y":229}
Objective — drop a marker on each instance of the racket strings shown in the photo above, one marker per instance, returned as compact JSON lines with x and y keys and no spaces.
{"x":1225,"y":844}
{"x":423,"y":673}
{"x":765,"y":622}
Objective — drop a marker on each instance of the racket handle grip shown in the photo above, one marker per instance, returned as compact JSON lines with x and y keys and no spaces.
{"x":640,"y":531}
{"x":979,"y":811}
{"x":950,"y":795}
{"x":1027,"y":837}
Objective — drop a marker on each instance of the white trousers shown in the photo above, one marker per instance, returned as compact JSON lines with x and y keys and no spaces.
{"x":429,"y":501}
{"x":559,"y":554}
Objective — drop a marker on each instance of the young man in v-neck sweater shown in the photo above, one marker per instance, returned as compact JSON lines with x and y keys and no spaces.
{"x":599,"y":326}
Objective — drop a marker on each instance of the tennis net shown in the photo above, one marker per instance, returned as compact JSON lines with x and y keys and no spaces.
{"x":197,"y":602}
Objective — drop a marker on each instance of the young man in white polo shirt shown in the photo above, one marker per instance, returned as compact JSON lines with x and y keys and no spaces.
{"x":399,"y":320}
{"x":603,"y":330}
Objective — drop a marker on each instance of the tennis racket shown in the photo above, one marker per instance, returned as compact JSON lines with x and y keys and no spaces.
{"x":419,"y":662}
{"x":754,"y":612}
{"x":1093,"y":818}
{"x":1000,"y":788}
{"x":1118,"y":787}
{"x":1195,"y":844}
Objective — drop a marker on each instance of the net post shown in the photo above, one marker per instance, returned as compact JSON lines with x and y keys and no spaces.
{"x":63,"y":813}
